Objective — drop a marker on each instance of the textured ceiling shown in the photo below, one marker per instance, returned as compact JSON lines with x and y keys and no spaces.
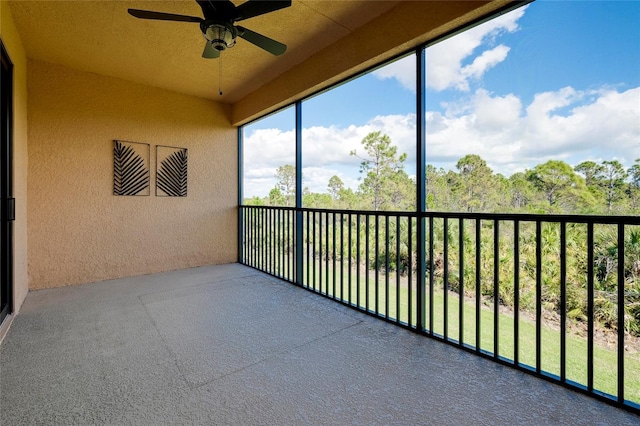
{"x":101,"y":37}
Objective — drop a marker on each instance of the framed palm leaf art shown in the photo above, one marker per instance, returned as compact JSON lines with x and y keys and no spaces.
{"x":131,"y":168}
{"x":171,"y":171}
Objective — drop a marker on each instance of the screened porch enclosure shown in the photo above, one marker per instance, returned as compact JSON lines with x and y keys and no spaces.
{"x":482,"y":189}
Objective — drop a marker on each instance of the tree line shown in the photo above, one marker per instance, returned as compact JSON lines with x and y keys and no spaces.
{"x":552,"y":187}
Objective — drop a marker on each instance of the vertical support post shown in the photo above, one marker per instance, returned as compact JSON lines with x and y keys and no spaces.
{"x":240,"y":195}
{"x":298,"y":231}
{"x":421,"y":137}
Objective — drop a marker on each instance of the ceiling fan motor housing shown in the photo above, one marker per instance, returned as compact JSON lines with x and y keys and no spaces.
{"x":219,"y":34}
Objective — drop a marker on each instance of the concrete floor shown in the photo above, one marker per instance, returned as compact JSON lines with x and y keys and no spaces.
{"x":229,"y":345}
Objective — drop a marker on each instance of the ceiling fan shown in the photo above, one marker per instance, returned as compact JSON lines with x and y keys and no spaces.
{"x":218,"y":24}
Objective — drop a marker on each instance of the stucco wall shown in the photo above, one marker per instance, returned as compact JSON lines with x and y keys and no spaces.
{"x":14,"y":47}
{"x":78,"y":230}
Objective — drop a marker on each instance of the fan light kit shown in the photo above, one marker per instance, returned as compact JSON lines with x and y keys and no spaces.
{"x":218,"y":27}
{"x":220,"y":36}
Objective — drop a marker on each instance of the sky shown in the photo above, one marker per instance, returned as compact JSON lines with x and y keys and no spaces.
{"x":552,"y":80}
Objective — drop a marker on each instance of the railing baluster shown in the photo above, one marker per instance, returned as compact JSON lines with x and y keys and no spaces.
{"x":243,"y":226}
{"x":334,"y":254}
{"x":241,"y":235}
{"x":445,"y":276}
{"x":349,"y":274}
{"x":386,"y":264}
{"x":296,"y":247}
{"x":252,"y":237}
{"x":538,"y":295}
{"x":326,"y":251}
{"x":259,"y":226}
{"x":273,"y":247}
{"x":478,"y":283}
{"x":358,"y":261}
{"x":284,"y":243}
{"x":461,"y":281}
{"x":621,"y":300}
{"x":319,"y":251}
{"x":377,"y":258}
{"x":341,"y":257}
{"x":290,"y":275}
{"x":516,"y":292}
{"x":563,"y":301}
{"x":308,"y":265}
{"x":269,"y":227}
{"x":398,"y":237}
{"x":431,"y":274}
{"x":260,"y":242}
{"x":279,"y":250}
{"x":366,"y":267}
{"x":590,"y":294}
{"x":268,"y":257}
{"x":313,"y":254}
{"x":496,"y":288}
{"x":410,"y":269}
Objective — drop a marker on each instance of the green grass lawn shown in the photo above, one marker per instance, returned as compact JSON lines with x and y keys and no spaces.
{"x":605,"y":359}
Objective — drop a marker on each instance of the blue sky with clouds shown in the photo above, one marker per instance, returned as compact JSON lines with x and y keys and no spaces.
{"x":552,"y":80}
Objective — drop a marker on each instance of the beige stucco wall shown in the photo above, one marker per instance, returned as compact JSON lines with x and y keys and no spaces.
{"x":78,"y":231}
{"x":14,"y":47}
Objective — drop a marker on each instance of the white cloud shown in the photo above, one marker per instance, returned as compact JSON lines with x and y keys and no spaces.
{"x":403,"y":70}
{"x":264,"y":147}
{"x":567,"y":124}
{"x":608,"y":124}
{"x":445,"y":69}
{"x":481,"y":64}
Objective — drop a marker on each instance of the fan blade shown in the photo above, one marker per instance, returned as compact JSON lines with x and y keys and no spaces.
{"x":148,"y":14}
{"x":221,"y":10}
{"x":261,"y":41}
{"x":253,"y":8}
{"x":209,"y":51}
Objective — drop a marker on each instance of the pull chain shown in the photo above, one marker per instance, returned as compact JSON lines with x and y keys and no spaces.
{"x":220,"y":75}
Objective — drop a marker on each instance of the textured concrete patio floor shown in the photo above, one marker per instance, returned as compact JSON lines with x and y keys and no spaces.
{"x":229,"y":345}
